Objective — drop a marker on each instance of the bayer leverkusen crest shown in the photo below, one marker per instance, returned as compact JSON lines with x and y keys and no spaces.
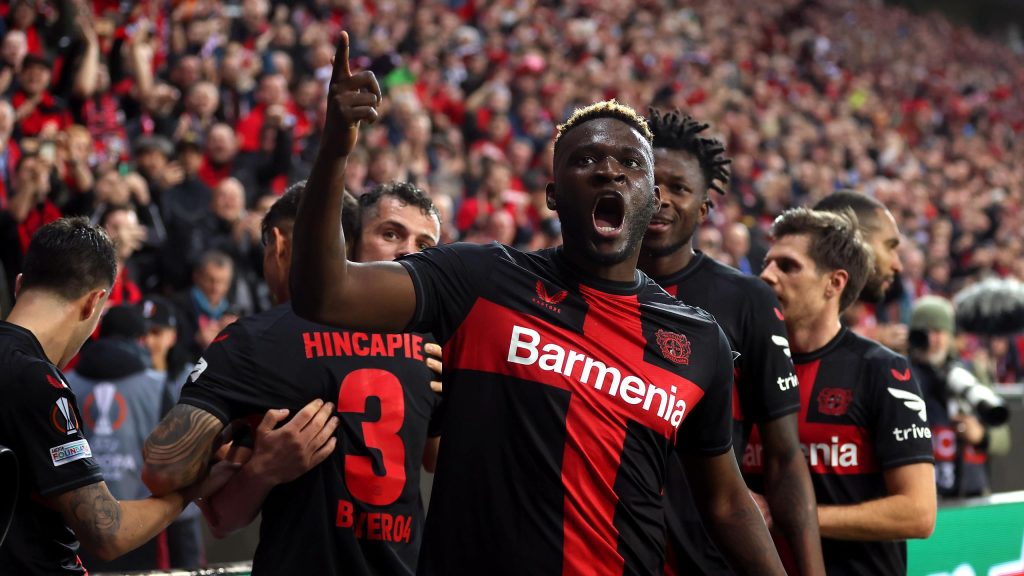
{"x":674,"y":347}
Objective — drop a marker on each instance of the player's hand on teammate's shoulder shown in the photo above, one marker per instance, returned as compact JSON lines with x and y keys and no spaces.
{"x":284,"y":453}
{"x":351,"y":99}
{"x":434,"y":363}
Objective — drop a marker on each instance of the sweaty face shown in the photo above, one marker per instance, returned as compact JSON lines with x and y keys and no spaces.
{"x":884,"y":242}
{"x":604,"y":190}
{"x":394,"y":228}
{"x":795,"y":279}
{"x":684,"y":202}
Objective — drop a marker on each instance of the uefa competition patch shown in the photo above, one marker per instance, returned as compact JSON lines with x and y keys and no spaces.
{"x":197,"y":371}
{"x":70,"y":452}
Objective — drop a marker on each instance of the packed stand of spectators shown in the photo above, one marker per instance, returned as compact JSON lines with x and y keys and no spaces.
{"x":177,"y":123}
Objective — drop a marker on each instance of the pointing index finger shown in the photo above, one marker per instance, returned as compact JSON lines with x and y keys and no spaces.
{"x":341,"y":66}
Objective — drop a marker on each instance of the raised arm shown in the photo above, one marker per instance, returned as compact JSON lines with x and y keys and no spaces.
{"x":789,"y":492}
{"x":730,"y":515}
{"x":907,"y":512}
{"x":178,"y":451}
{"x":325,"y":287}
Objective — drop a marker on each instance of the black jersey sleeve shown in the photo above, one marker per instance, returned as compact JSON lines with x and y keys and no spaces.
{"x":708,"y":428}
{"x":52,"y":447}
{"x":222,"y":381}
{"x":764,"y":364}
{"x":898,"y":413}
{"x":447,"y":280}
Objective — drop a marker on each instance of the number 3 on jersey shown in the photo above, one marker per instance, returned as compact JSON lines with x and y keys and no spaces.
{"x":364,"y":483}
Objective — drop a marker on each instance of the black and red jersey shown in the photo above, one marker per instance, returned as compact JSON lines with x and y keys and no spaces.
{"x":564,"y":397}
{"x":765,"y":385}
{"x":861,"y":414}
{"x":360,"y":511}
{"x":41,"y":423}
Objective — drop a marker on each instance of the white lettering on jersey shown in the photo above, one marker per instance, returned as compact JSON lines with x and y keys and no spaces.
{"x":914,"y":431}
{"x":787,"y":382}
{"x":197,"y":371}
{"x":912,"y":401}
{"x":70,"y":452}
{"x":834,"y":454}
{"x":783,"y":343}
{"x":525,"y":348}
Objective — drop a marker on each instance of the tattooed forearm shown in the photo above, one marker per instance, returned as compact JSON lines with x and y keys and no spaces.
{"x":177,"y":452}
{"x":94,"y":507}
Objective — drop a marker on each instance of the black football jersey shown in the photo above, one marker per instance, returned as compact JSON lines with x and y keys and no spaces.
{"x":40,"y":422}
{"x":765,"y":386}
{"x":861,"y":414}
{"x":360,"y":511}
{"x":564,"y":397}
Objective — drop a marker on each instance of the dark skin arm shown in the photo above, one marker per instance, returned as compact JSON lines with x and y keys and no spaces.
{"x":730,"y":515}
{"x":325,"y":287}
{"x":178,"y":451}
{"x":789,"y":492}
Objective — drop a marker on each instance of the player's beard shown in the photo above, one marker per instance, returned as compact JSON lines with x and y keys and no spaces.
{"x":874,"y":289}
{"x":668,"y":249}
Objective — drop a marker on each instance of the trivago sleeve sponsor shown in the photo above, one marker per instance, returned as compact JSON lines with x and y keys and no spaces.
{"x":900,"y":418}
{"x":53,"y":448}
{"x":765,"y":365}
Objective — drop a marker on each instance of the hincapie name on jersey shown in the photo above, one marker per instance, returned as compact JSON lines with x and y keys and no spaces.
{"x":525,"y":348}
{"x":361,"y":344}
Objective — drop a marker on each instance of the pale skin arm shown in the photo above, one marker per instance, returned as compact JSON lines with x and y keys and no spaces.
{"x":108,"y":528}
{"x":325,"y":287}
{"x":730,"y":515}
{"x":433,"y":445}
{"x":281,"y":455}
{"x":908,"y":512}
{"x":790,"y":494}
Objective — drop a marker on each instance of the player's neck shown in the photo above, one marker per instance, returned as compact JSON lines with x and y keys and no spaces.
{"x":624,"y":271}
{"x":813,"y":334}
{"x":48,"y":320}
{"x":668,"y":264}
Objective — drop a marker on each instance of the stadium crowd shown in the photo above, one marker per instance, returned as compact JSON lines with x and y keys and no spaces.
{"x":195,"y":115}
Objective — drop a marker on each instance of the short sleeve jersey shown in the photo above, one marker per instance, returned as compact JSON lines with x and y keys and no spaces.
{"x":40,"y":422}
{"x":861,"y":414}
{"x":765,"y":386}
{"x":360,"y":511}
{"x":565,"y":396}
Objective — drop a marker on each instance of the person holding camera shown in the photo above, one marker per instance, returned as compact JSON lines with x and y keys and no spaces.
{"x":967,"y":420}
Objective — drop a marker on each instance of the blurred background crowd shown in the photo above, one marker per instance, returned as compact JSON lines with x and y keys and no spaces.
{"x":175,"y":124}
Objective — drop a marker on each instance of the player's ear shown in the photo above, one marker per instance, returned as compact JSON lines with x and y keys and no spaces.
{"x":17,"y":285}
{"x":549,"y":191}
{"x":282,"y":243}
{"x":837,"y":282}
{"x":92,"y":303}
{"x":657,"y":197}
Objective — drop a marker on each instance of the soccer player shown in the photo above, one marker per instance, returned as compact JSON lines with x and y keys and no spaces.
{"x":69,"y":269}
{"x":361,"y":512}
{"x":570,"y":377}
{"x":686,"y":167}
{"x":879,"y":230}
{"x":863,"y":423}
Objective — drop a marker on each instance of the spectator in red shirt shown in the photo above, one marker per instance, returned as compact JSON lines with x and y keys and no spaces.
{"x":35,"y":107}
{"x":122,"y":225}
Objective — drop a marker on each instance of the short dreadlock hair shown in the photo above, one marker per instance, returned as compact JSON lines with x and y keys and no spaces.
{"x":677,"y":131}
{"x":604,"y":109}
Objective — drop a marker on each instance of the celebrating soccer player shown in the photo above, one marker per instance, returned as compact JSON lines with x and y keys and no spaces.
{"x":359,"y":513}
{"x":570,"y":376}
{"x":863,"y":422}
{"x":686,"y":167}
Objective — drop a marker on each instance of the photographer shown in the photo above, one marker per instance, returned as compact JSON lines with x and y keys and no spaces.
{"x":966,"y":419}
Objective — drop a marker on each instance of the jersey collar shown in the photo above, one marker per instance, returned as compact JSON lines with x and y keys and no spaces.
{"x":824,"y":350}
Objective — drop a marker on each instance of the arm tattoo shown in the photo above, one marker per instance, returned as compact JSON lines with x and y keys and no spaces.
{"x":181,"y":444}
{"x":94,"y":514}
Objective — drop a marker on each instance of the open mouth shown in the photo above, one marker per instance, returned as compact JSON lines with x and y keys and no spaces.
{"x":609,"y":212}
